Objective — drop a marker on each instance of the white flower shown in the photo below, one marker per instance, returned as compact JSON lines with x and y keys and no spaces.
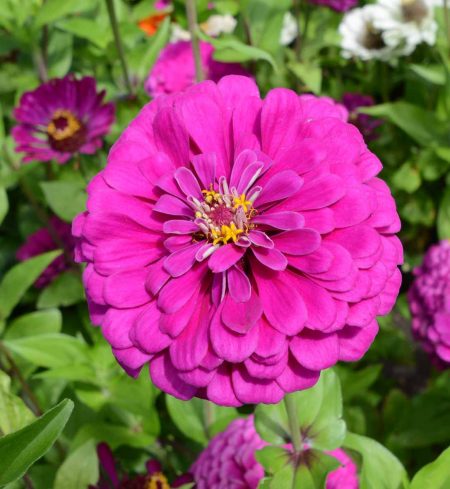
{"x":179,"y":34}
{"x":289,"y":29}
{"x":406,"y":23}
{"x":361,"y":39}
{"x":218,"y":24}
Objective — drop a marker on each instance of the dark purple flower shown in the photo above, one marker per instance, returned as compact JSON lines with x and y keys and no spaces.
{"x":111,"y":479}
{"x":42,"y":241}
{"x":60,"y":118}
{"x":365,"y":123}
{"x":429,"y":301}
{"x":338,"y":5}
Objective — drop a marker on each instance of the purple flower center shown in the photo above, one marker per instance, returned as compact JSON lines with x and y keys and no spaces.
{"x":66,"y":132}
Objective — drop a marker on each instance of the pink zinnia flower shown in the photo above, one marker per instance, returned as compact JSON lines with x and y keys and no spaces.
{"x":429,"y":300}
{"x":239,"y":245}
{"x":42,"y":241}
{"x":174,"y":71}
{"x":60,"y":118}
{"x":338,"y":5}
{"x":229,"y":461}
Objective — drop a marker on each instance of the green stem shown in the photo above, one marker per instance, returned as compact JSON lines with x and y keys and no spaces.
{"x":447,"y":19}
{"x":191,"y":12}
{"x":119,"y":45}
{"x":294,"y":427}
{"x":40,"y":65}
{"x":208,"y":414}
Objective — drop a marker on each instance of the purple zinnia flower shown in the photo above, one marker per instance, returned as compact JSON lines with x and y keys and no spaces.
{"x":338,"y":5}
{"x":111,"y":478}
{"x":364,"y":122}
{"x":48,"y":239}
{"x":62,"y":117}
{"x":174,"y":71}
{"x":229,"y":461}
{"x":429,"y":301}
{"x":239,"y":245}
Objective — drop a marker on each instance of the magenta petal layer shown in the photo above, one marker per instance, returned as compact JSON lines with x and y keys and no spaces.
{"x":62,"y":117}
{"x":429,"y":301}
{"x":222,"y":221}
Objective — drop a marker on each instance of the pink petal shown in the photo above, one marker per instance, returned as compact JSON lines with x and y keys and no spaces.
{"x":239,"y":285}
{"x":220,"y":389}
{"x":299,"y":242}
{"x":205,"y":167}
{"x":354,"y":342}
{"x":319,"y":193}
{"x":181,"y":261}
{"x":146,"y":334}
{"x":259,"y":238}
{"x":295,"y":377}
{"x":272,"y":259}
{"x":315,"y":350}
{"x":281,"y":186}
{"x":240,"y":317}
{"x":170,"y":205}
{"x":180,"y":227}
{"x":188,"y":183}
{"x":250,"y":390}
{"x":287,"y":221}
{"x":225,"y":257}
{"x":177,"y":146}
{"x":126,"y":289}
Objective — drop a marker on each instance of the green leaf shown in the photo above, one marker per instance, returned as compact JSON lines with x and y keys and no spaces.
{"x":273,"y":458}
{"x":443,"y":218}
{"x":230,"y":49}
{"x":66,"y":198}
{"x":60,"y":50}
{"x":191,"y":418}
{"x":19,"y":450}
{"x":17,"y":280}
{"x":422,"y":126}
{"x":14,"y":414}
{"x":80,"y":469}
{"x":309,"y":74}
{"x":4,"y":204}
{"x":407,"y":178}
{"x":87,"y":29}
{"x":380,"y":468}
{"x":319,"y":414}
{"x":53,"y":10}
{"x":65,"y":290}
{"x":35,"y":323}
{"x":435,"y":475}
{"x":431,"y":73}
{"x":50,"y":350}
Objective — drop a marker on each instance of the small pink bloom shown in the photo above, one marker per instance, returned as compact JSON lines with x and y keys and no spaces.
{"x":174,"y":71}
{"x":42,"y":241}
{"x":429,"y":301}
{"x":239,"y":245}
{"x":338,"y":5}
{"x":60,"y":118}
{"x":230,"y":456}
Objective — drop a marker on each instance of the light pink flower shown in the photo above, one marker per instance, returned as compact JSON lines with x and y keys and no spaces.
{"x":229,"y":461}
{"x":238,"y":245}
{"x":174,"y":71}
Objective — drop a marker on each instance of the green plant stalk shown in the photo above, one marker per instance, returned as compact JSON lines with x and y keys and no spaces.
{"x":191,"y":12}
{"x":447,"y":19}
{"x":208,"y":415}
{"x":119,"y":45}
{"x":294,"y":427}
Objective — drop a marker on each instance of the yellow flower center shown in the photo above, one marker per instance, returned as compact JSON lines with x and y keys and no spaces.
{"x":63,"y":125}
{"x":157,"y":481}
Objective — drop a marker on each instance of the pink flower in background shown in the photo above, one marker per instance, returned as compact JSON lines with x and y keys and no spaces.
{"x":429,"y":301}
{"x":338,"y":5}
{"x":60,"y":118}
{"x":239,"y":246}
{"x":230,"y":459}
{"x":365,"y":123}
{"x":174,"y":71}
{"x":42,"y":241}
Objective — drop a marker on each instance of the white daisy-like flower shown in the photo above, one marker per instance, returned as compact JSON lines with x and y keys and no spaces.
{"x":178,"y":33}
{"x":406,"y":23}
{"x":362,"y":39}
{"x":289,"y":29}
{"x":219,"y":24}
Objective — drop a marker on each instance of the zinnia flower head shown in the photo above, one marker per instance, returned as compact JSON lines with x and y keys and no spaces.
{"x":48,"y":239}
{"x":239,"y":245}
{"x":365,"y":123}
{"x":229,"y":461}
{"x":406,"y":23}
{"x":62,"y":117}
{"x":338,"y":5}
{"x":174,"y":71}
{"x":112,"y":479}
{"x":429,"y":301}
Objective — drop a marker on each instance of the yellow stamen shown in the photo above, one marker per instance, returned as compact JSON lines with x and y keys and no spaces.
{"x":211,"y":195}
{"x":242,"y":202}
{"x":73,"y":125}
{"x":226,"y":233}
{"x":154,"y":479}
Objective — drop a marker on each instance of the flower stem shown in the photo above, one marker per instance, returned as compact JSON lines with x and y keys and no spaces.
{"x":447,"y":19}
{"x":294,"y":427}
{"x":208,"y":415}
{"x":39,"y":61}
{"x":191,"y":12}
{"x":119,"y":46}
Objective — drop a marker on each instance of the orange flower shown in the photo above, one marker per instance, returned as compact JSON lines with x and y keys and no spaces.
{"x":151,"y":23}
